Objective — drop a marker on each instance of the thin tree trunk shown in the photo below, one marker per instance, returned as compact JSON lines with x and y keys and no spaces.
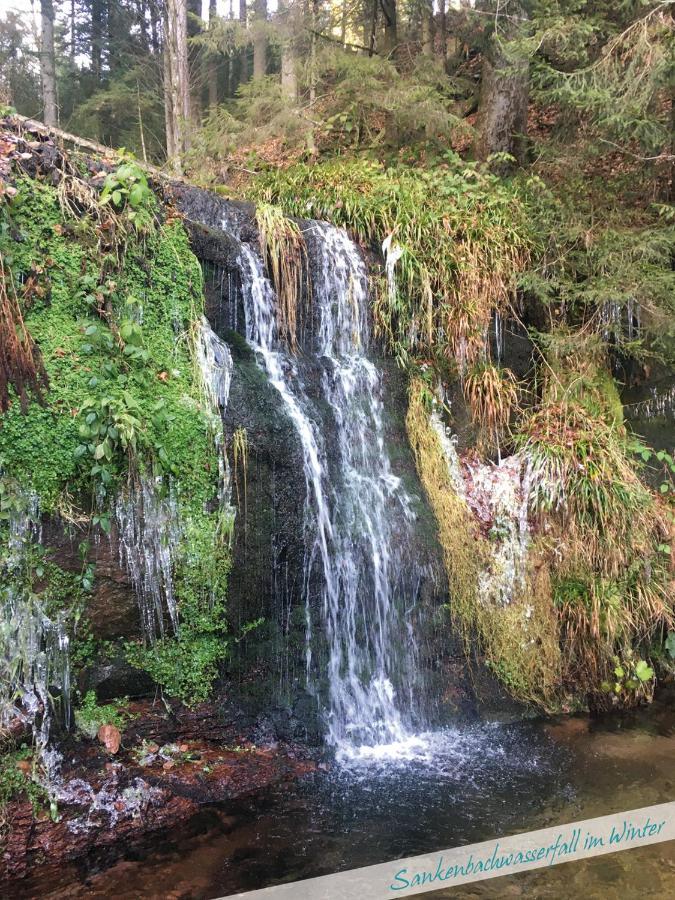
{"x":114,"y":33}
{"x":289,"y":81}
{"x":169,"y":116}
{"x":212,"y":65}
{"x":195,"y":55}
{"x":259,"y":39}
{"x":96,"y":39}
{"x":427,"y":28}
{"x":47,"y":62}
{"x":314,"y":25}
{"x":443,"y":29}
{"x":243,"y":56}
{"x":72,"y":33}
{"x":370,"y":36}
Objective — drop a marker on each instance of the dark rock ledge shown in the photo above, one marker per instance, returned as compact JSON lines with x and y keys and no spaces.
{"x":169,"y":766}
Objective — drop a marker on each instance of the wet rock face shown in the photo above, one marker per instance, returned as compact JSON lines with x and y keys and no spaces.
{"x":112,"y":609}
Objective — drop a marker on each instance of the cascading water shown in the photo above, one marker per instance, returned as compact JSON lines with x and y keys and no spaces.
{"x":357,"y":514}
{"x":215,"y":367}
{"x":148,"y":529}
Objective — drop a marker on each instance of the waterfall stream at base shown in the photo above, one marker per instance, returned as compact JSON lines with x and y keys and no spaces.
{"x":357,"y":513}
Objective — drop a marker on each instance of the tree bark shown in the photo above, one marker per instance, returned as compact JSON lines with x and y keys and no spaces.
{"x":47,"y":62}
{"x":195,"y":57}
{"x":502,"y":111}
{"x":390,"y":41}
{"x":443,"y":29}
{"x":427,"y":28}
{"x":72,"y":32}
{"x":289,"y":81}
{"x":212,"y":63}
{"x":177,"y":80}
{"x":259,"y":39}
{"x":96,"y":39}
{"x":244,"y":73}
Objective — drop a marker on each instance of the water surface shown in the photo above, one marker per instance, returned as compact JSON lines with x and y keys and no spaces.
{"x":452,"y":787}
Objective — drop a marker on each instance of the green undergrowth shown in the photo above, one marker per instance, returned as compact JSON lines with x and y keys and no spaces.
{"x":91,"y":715}
{"x":122,"y":383}
{"x":112,"y":296}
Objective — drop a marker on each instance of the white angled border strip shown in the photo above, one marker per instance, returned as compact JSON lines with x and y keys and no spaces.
{"x":489,"y":859}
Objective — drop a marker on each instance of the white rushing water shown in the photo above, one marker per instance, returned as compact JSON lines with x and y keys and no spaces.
{"x":357,"y":514}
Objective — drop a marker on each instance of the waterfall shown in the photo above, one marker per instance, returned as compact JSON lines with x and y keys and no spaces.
{"x":357,"y":514}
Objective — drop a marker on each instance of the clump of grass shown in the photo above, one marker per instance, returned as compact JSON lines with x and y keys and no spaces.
{"x":581,"y":474}
{"x":240,"y":459}
{"x":492,"y":395}
{"x":285,"y":254}
{"x":610,"y":530}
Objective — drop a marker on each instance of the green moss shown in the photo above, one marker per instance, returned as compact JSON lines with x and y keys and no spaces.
{"x":156,"y":293}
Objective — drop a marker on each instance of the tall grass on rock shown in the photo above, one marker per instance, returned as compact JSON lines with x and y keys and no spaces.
{"x":456,"y":239}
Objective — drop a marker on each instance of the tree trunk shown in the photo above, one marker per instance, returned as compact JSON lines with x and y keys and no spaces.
{"x":259,"y":39}
{"x":443,"y":28}
{"x":96,"y":39}
{"x":427,"y":28}
{"x":390,"y":41}
{"x":289,"y":81}
{"x":212,"y":65}
{"x":244,"y":73}
{"x":114,"y":36}
{"x":195,"y":56}
{"x":169,"y":116}
{"x":47,"y":62}
{"x":72,"y":33}
{"x":177,"y":76}
{"x":502,"y":112}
